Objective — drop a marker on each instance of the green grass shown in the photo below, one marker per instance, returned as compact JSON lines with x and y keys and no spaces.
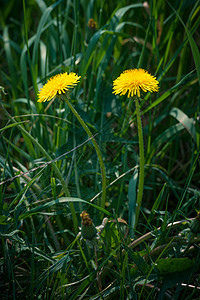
{"x":50,"y":169}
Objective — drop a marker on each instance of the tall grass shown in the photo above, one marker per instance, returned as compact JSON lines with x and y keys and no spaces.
{"x":50,"y":171}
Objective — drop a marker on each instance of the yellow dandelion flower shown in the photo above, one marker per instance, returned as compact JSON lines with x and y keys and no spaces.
{"x":132,"y":81}
{"x":57,"y":85}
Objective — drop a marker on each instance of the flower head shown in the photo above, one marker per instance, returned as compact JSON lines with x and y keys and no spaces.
{"x":57,"y":85}
{"x":92,"y":24}
{"x":132,"y":81}
{"x":88,"y":230}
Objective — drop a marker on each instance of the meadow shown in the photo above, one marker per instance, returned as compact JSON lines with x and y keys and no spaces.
{"x":99,"y":191}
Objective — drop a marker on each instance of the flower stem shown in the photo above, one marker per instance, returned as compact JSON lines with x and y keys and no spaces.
{"x":103,"y":172}
{"x":141,"y":168}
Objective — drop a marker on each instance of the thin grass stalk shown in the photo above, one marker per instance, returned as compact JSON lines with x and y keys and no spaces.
{"x":124,"y":165}
{"x":76,"y":21}
{"x":192,"y":170}
{"x":150,"y":127}
{"x":166,"y":246}
{"x":53,"y":235}
{"x":142,"y":239}
{"x":141,"y":58}
{"x":9,"y":57}
{"x":32,"y":273}
{"x":56,"y":170}
{"x":103,"y":172}
{"x":28,"y":52}
{"x":7,"y":161}
{"x":126,"y":117}
{"x":141,"y":162}
{"x":76,"y":175}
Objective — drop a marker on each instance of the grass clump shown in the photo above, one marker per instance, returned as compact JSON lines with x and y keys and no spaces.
{"x":99,"y":192}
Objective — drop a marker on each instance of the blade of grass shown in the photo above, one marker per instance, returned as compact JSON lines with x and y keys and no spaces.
{"x":193,"y":45}
{"x":56,"y":170}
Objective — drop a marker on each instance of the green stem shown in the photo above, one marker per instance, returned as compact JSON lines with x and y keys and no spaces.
{"x":56,"y":170}
{"x":141,"y":169}
{"x":103,"y":172}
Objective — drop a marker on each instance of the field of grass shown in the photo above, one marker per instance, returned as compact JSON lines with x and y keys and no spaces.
{"x":61,"y":159}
